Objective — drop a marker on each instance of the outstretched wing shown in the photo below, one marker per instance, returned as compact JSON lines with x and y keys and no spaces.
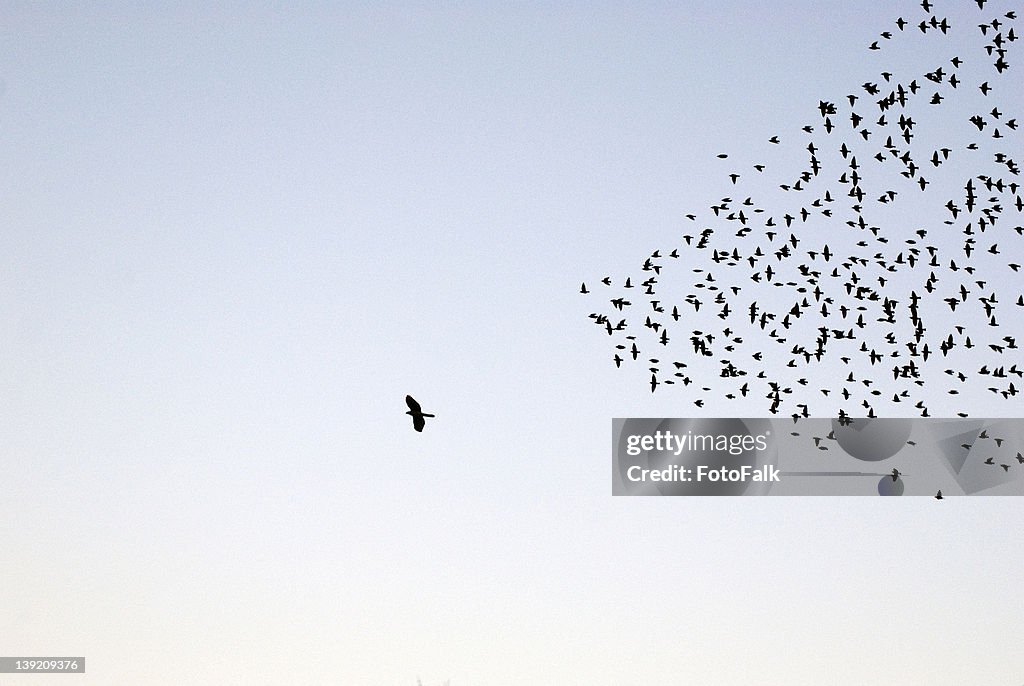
{"x":418,"y":422}
{"x":413,"y":405}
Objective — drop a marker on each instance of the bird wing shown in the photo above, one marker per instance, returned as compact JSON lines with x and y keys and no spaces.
{"x":418,"y":422}
{"x":413,"y":405}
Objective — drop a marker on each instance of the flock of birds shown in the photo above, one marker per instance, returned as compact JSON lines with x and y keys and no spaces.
{"x":884,"y":264}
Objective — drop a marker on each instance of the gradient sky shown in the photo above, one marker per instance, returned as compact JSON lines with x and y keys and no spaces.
{"x":234,"y":238}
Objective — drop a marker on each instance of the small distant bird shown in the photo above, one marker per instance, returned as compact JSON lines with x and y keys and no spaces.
{"x":417,"y":414}
{"x":938,"y":495}
{"x":895,"y":474}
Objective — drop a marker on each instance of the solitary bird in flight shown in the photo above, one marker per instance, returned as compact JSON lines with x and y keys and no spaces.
{"x":418,"y":421}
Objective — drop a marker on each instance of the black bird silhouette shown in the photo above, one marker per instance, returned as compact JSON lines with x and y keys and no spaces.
{"x":938,"y":495}
{"x":418,"y":421}
{"x":839,"y":306}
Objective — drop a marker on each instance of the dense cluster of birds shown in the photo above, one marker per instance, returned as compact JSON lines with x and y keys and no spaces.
{"x":883,"y":267}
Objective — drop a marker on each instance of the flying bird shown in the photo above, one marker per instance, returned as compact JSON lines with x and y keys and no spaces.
{"x":417,"y":414}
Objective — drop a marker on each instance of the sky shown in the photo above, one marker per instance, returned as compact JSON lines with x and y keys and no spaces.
{"x":235,"y":237}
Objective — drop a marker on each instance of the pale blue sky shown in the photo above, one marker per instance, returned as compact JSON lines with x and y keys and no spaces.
{"x":234,"y":238}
